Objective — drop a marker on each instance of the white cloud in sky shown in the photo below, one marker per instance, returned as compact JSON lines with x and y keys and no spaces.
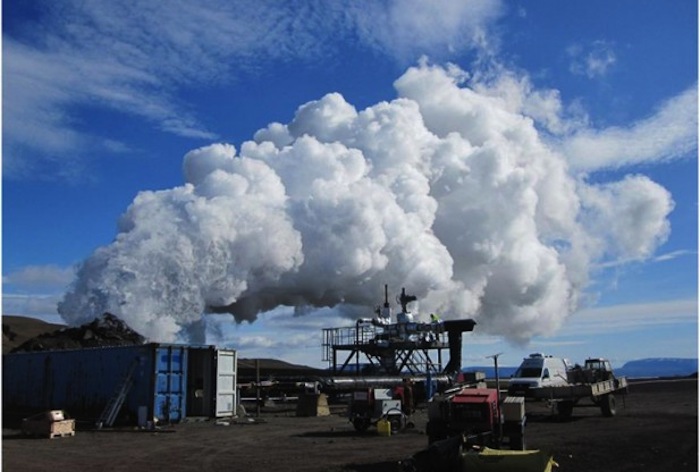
{"x":35,"y":290}
{"x":593,"y":331}
{"x":628,"y":215}
{"x":133,"y":57}
{"x":48,"y":277}
{"x":669,"y":133}
{"x":669,"y":256}
{"x":42,"y":87}
{"x":664,"y":257}
{"x":517,"y":94}
{"x":277,"y":333}
{"x":592,"y":60}
{"x":34,"y":305}
{"x":245,"y":343}
{"x":405,"y":29}
{"x":633,"y":316}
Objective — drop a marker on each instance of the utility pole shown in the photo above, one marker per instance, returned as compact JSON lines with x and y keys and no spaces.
{"x":498,"y":396}
{"x":257,"y":388}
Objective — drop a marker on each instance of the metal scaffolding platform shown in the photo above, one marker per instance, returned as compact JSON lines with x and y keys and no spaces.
{"x":395,"y":346}
{"x":385,"y":349}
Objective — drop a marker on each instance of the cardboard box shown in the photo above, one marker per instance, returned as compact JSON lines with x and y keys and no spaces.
{"x":55,"y":415}
{"x":513,"y":408}
{"x":44,"y":426}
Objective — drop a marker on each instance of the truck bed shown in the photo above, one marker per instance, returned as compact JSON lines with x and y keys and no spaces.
{"x":576,"y":391}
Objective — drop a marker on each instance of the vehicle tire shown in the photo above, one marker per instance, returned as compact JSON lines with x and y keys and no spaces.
{"x":565,"y":409}
{"x":607,"y":405}
{"x":361,"y":424}
{"x":397,"y":423}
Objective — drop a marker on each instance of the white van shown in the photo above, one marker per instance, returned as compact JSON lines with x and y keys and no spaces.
{"x":538,"y":371}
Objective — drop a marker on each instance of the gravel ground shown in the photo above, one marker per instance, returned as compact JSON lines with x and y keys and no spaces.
{"x":656,"y":429}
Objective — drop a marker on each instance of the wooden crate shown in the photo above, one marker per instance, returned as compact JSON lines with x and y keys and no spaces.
{"x":46,"y":428}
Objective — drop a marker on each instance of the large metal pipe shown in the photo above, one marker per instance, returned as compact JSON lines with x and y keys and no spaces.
{"x":454,"y":329}
{"x":338,"y":384}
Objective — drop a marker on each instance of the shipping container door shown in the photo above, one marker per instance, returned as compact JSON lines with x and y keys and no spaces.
{"x":171,"y":364}
{"x":225,"y":383}
{"x":201,"y":375}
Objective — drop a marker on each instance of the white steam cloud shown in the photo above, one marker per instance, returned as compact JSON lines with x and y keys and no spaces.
{"x":444,"y":191}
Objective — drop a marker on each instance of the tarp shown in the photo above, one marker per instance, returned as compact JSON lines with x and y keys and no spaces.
{"x":494,"y":460}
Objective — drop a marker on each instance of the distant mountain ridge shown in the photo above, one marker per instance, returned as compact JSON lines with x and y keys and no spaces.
{"x":641,"y":368}
{"x":659,"y":367}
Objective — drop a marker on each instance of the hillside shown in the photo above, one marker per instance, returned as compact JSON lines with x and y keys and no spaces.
{"x":16,"y":330}
{"x":274,"y":368}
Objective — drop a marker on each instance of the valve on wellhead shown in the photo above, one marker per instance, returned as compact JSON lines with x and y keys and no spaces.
{"x":404,"y":300}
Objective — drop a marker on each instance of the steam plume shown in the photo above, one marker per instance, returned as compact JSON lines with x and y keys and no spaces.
{"x":443,"y":191}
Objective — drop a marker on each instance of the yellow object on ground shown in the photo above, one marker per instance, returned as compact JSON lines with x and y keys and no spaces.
{"x":384,"y":427}
{"x":495,"y":460}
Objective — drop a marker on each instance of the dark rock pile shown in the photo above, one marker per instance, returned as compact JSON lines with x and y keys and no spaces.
{"x":107,"y":330}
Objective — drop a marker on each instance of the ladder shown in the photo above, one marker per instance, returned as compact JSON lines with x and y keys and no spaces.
{"x":109,"y":414}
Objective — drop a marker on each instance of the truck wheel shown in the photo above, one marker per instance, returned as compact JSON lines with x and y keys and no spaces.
{"x":565,"y":409}
{"x":607,"y":405}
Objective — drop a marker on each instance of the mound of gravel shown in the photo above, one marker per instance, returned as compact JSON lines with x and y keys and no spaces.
{"x":107,"y":330}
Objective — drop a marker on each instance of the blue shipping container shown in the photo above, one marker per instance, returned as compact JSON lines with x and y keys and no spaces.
{"x":82,"y":381}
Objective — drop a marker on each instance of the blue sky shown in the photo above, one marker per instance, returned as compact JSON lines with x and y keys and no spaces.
{"x":528,"y":164}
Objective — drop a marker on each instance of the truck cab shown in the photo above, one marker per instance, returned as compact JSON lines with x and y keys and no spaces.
{"x":538,"y":371}
{"x":595,"y":369}
{"x":601,"y":368}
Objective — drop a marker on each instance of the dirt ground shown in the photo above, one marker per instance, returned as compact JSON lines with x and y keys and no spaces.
{"x":655,"y":429}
